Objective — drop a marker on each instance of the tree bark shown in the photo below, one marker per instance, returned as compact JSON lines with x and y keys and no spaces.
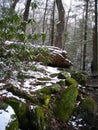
{"x":43,"y":29}
{"x":60,"y":24}
{"x":66,"y":22}
{"x":95,"y":45}
{"x":26,"y":12}
{"x":85,"y":36}
{"x":52,"y":25}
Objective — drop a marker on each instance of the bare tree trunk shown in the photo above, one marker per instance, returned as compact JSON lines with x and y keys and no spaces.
{"x":14,"y":4}
{"x":82,"y":36}
{"x":43,"y":29}
{"x":26,"y":12}
{"x":60,"y":24}
{"x":95,"y":45}
{"x":67,"y":20}
{"x":52,"y":25}
{"x":85,"y":36}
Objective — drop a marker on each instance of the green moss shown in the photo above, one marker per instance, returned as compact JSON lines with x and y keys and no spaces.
{"x":21,"y":75}
{"x":20,"y":93}
{"x":14,"y":104}
{"x":13,"y":121}
{"x":87,"y":110}
{"x":20,"y":110}
{"x":22,"y":114}
{"x":88,"y":105}
{"x":66,"y":102}
{"x":54,"y":75}
{"x":51,"y":89}
{"x":38,"y":118}
{"x":55,"y":88}
{"x":45,"y":99}
{"x":79,"y":77}
{"x":13,"y":125}
{"x":44,"y":79}
{"x":70,"y":81}
{"x":64,"y":75}
{"x":3,"y":105}
{"x":62,"y":82}
{"x":45,"y":90}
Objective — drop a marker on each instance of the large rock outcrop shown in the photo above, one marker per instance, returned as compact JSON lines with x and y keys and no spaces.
{"x":50,"y":55}
{"x":57,"y":57}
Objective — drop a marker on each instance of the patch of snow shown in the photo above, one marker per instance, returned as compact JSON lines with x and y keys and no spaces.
{"x":48,"y":84}
{"x":36,"y":88}
{"x":52,"y":70}
{"x":29,"y":85}
{"x":8,"y":94}
{"x":1,"y":84}
{"x":34,"y":74}
{"x":68,"y":60}
{"x":5,"y":117}
{"x":15,"y":82}
{"x":55,"y":80}
{"x":3,"y":92}
{"x":29,"y":82}
{"x":13,"y":42}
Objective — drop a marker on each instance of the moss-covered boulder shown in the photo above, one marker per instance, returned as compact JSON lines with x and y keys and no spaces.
{"x":50,"y":89}
{"x":20,"y":110}
{"x":61,"y":82}
{"x":44,"y":100}
{"x":37,"y":118}
{"x":13,"y":125}
{"x":20,"y":93}
{"x":70,"y":81}
{"x":65,"y":103}
{"x":87,"y":110}
{"x":64,"y":75}
{"x":80,"y":77}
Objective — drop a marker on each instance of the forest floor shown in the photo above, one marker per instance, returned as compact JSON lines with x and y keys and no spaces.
{"x":92,"y":87}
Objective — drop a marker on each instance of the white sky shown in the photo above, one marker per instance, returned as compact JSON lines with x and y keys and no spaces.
{"x":67,"y":2}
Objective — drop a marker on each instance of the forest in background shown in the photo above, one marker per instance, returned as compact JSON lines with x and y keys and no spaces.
{"x":73,"y":27}
{"x":41,"y":86}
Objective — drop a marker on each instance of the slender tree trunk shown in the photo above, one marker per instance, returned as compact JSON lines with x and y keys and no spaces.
{"x":26,"y":12}
{"x":52,"y":25}
{"x":82,"y":40}
{"x":85,"y":36}
{"x":60,"y":24}
{"x":43,"y":29}
{"x":95,"y":45}
{"x":66,"y":22}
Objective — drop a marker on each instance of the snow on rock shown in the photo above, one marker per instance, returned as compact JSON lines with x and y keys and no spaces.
{"x":59,"y":57}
